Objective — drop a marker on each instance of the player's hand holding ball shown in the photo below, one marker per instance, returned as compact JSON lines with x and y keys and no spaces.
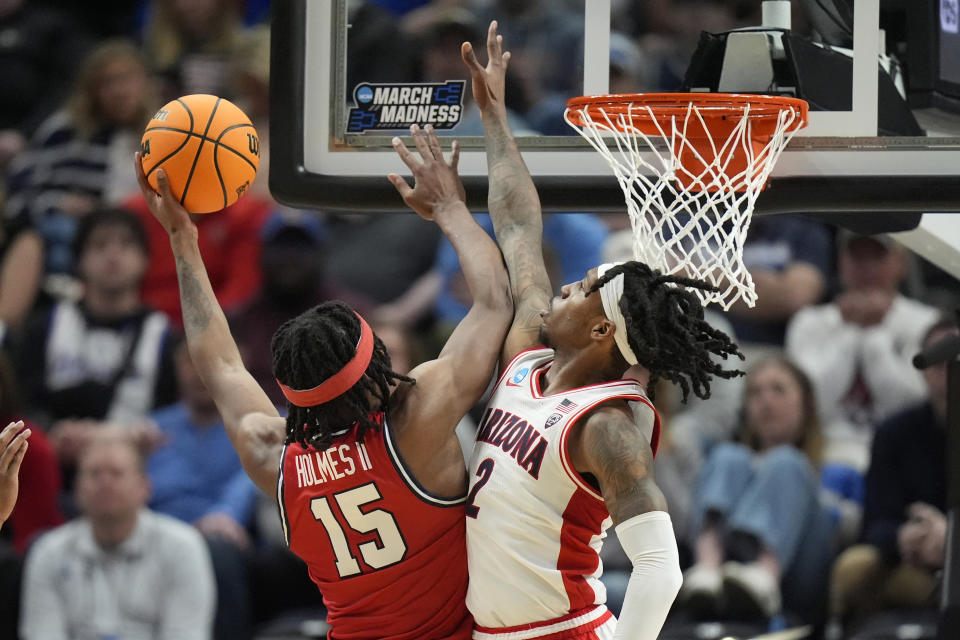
{"x":208,"y":149}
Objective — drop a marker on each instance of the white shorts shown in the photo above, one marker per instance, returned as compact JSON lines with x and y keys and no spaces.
{"x":596,"y":623}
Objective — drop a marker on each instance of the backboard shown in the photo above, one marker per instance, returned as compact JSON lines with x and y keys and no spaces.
{"x":348,"y":75}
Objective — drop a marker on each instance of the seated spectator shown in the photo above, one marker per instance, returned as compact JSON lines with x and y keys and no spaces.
{"x":21,"y":269}
{"x":120,"y":571}
{"x":904,"y":527}
{"x":197,"y":478}
{"x":857,"y":349}
{"x":789,"y":261}
{"x":13,"y":449}
{"x":291,"y":263}
{"x":79,"y":157}
{"x":229,"y":244}
{"x":762,"y":537}
{"x":105,"y":357}
{"x":572,"y":247}
{"x":191,"y":45}
{"x":40,"y":53}
{"x":440,"y":31}
{"x":40,"y":471}
{"x":379,"y":257}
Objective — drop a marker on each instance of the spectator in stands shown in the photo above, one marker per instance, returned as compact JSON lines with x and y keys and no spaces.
{"x":379,"y":257}
{"x":120,"y":571}
{"x":105,"y":357}
{"x":38,"y":57}
{"x":21,"y":269}
{"x":789,"y":261}
{"x":291,"y":262}
{"x":13,"y":449}
{"x":904,"y":526}
{"x":79,"y":157}
{"x":39,"y":471}
{"x":857,"y":348}
{"x":40,"y":474}
{"x":762,"y":537}
{"x":440,"y":30}
{"x":197,"y":478}
{"x":546,"y":40}
{"x":230,"y":246}
{"x":191,"y":45}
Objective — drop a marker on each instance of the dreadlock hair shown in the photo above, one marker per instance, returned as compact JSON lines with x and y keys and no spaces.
{"x":313,"y":346}
{"x":666,"y":329}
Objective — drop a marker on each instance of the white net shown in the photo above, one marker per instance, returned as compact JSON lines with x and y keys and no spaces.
{"x":690,"y":198}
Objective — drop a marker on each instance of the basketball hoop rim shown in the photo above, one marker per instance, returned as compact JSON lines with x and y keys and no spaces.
{"x":644,"y":107}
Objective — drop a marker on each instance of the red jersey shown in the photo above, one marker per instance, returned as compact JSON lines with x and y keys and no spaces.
{"x":388,"y":557}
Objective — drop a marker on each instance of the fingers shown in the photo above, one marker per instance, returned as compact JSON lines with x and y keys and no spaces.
{"x":470,"y":58}
{"x":13,"y":452}
{"x":405,"y":154}
{"x":164,"y":185}
{"x":455,"y":156}
{"x":506,"y":59}
{"x":493,"y":42}
{"x":18,"y":458}
{"x":400,"y":185}
{"x":420,"y":143}
{"x":435,"y":149}
{"x":141,"y":177}
{"x":9,"y":433}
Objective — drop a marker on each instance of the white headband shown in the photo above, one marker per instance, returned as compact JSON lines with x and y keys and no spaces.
{"x":610,"y":294}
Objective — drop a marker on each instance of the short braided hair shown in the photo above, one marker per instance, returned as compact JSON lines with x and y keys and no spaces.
{"x":666,"y":328}
{"x":313,"y":346}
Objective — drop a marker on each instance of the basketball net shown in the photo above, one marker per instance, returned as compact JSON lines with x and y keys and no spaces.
{"x":690,"y":201}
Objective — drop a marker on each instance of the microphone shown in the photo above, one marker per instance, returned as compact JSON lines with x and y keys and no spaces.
{"x":945,"y":349}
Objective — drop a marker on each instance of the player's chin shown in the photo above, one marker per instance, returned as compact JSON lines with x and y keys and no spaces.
{"x":544,"y":335}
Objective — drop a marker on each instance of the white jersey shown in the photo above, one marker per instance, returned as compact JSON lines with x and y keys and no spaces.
{"x":534,"y":525}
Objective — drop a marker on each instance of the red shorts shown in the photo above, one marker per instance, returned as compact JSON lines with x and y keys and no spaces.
{"x":596,"y":623}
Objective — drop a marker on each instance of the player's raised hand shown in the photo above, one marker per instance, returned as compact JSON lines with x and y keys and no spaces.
{"x":13,"y":447}
{"x":163,"y":204}
{"x":436,"y":182}
{"x":489,"y":82}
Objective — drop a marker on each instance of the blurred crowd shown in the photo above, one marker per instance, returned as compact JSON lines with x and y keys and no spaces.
{"x":812,"y":490}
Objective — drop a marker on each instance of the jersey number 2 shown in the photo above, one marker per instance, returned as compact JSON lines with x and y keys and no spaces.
{"x":391,"y":549}
{"x":483,"y":472}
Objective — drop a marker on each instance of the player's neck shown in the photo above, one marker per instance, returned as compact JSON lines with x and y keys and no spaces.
{"x":578,"y":369}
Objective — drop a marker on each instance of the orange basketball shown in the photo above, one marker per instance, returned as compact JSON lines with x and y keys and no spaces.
{"x":208,"y":148}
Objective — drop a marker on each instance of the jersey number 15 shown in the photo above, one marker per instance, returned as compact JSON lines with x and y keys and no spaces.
{"x":391,"y":549}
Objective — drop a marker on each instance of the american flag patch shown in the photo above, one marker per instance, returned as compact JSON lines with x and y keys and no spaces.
{"x":566,"y":406}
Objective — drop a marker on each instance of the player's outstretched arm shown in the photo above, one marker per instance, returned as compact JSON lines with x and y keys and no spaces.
{"x":449,"y":386}
{"x":251,"y":420}
{"x":512,"y":198}
{"x":612,"y":446}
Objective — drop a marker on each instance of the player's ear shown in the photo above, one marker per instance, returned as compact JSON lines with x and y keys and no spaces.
{"x":602,"y":329}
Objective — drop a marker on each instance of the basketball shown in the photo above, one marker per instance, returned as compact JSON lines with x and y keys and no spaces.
{"x":208,"y":148}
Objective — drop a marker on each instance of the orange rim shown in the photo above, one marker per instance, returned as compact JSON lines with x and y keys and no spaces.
{"x":712,"y":106}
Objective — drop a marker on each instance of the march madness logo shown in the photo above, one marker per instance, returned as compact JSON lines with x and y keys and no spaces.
{"x":397,"y":106}
{"x":518,"y":377}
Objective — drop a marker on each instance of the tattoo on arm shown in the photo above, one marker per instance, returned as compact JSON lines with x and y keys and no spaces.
{"x":515,"y":210}
{"x":623,"y":464}
{"x":196,"y":305}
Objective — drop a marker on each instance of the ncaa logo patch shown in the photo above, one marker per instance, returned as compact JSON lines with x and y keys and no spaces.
{"x":552,"y":420}
{"x":518,"y":377}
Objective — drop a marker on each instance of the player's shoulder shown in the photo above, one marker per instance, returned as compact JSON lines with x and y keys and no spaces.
{"x":615,"y":419}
